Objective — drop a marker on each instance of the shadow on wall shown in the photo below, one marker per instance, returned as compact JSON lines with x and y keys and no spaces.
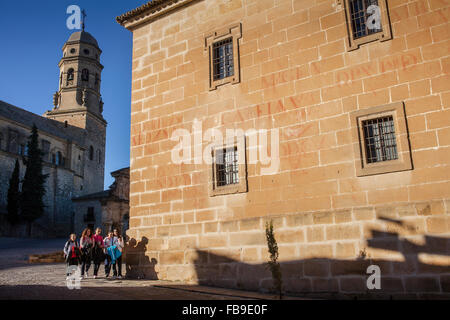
{"x":343,"y":279}
{"x":138,"y":265}
{"x":422,"y":269}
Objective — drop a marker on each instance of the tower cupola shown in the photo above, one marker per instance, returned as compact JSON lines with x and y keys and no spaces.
{"x":79,"y":77}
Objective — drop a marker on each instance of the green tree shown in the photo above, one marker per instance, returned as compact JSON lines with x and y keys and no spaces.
{"x":273,"y":264}
{"x":33,"y":187}
{"x":14,"y":196}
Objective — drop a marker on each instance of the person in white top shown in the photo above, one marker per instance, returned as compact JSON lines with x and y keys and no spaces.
{"x":119,"y":243}
{"x":108,"y":242}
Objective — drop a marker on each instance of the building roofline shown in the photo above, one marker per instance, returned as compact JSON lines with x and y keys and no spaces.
{"x":93,"y":196}
{"x":125,"y":170}
{"x":149,"y":12}
{"x":50,"y":127}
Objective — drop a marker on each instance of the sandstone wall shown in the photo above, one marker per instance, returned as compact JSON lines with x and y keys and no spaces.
{"x":296,"y":76}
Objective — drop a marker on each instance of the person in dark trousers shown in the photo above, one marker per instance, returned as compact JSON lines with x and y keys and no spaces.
{"x":72,"y":252}
{"x":86,"y":244}
{"x":108,"y":242}
{"x":97,"y":251}
{"x":119,"y":243}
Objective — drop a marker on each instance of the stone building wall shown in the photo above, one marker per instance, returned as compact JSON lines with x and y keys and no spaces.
{"x":111,"y":207}
{"x":57,"y":219}
{"x":298,"y":76}
{"x":81,"y":210}
{"x":77,"y":176}
{"x":95,"y":169}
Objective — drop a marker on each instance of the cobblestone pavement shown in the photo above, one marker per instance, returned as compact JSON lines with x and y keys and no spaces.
{"x":20,"y":280}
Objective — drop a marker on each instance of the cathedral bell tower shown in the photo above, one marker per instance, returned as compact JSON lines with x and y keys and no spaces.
{"x":79,"y":95}
{"x":78,"y":103}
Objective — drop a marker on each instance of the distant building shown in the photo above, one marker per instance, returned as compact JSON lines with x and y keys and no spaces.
{"x":72,"y":136}
{"x":108,"y":209}
{"x":354,"y":99}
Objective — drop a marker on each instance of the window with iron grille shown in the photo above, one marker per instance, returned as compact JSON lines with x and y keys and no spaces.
{"x":227,"y":167}
{"x":223,"y":65}
{"x":361,"y":11}
{"x":223,"y":51}
{"x":379,"y":139}
{"x":367,"y":20}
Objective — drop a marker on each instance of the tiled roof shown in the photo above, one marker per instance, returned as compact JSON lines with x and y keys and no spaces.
{"x":83,"y":36}
{"x":149,"y":5}
{"x":52,"y":127}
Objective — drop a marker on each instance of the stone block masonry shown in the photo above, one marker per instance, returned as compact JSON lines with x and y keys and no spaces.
{"x":297,"y":75}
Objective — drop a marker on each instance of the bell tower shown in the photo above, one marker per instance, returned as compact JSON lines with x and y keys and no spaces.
{"x":78,"y":103}
{"x":79,"y":95}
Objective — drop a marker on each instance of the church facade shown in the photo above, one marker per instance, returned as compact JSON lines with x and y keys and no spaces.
{"x":72,"y":137}
{"x":349,"y":103}
{"x":114,"y":206}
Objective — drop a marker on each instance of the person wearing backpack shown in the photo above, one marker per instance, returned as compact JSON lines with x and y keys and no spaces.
{"x":86,"y":244}
{"x":119,"y":243}
{"x":97,"y":251}
{"x":108,"y":242}
{"x":72,"y":252}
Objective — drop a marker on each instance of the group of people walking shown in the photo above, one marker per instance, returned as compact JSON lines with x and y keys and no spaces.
{"x":94,"y":248}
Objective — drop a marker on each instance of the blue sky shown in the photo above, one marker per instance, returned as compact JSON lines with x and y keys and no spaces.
{"x":32,"y":35}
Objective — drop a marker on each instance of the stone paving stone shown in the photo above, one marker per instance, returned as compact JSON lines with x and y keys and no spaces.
{"x":21,"y":280}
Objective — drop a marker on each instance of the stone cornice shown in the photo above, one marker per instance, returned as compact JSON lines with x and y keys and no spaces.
{"x":79,"y":42}
{"x":82,"y":110}
{"x":78,"y":59}
{"x":149,"y":12}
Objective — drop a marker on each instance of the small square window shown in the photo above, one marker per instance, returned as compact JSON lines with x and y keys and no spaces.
{"x":229,"y":170}
{"x":223,"y":51}
{"x":367,"y":21}
{"x":380,"y":139}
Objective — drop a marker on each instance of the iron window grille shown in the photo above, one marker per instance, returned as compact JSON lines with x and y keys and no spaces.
{"x":228,"y":174}
{"x":227,"y":167}
{"x":223,"y":65}
{"x":360,"y":11}
{"x":222,"y":47}
{"x":367,"y":21}
{"x":379,"y":139}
